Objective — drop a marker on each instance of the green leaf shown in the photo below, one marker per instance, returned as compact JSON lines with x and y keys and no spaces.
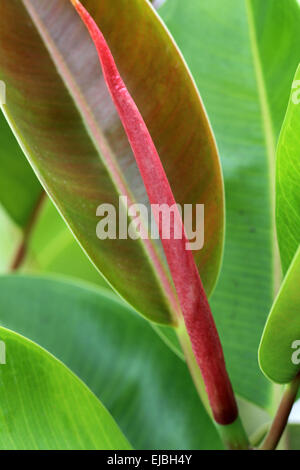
{"x":243,"y":55}
{"x":70,"y":132}
{"x":278,"y":355}
{"x":19,"y":188}
{"x":282,"y":329}
{"x":287,"y":180}
{"x":146,"y":387}
{"x":45,"y":406}
{"x":10,"y":239}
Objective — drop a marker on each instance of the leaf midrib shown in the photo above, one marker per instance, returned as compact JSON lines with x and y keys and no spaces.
{"x":270,"y":140}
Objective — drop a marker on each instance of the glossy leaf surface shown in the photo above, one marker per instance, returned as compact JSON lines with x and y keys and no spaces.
{"x":10,"y":238}
{"x":45,"y":406}
{"x":282,"y":331}
{"x":117,"y":354}
{"x":77,"y":145}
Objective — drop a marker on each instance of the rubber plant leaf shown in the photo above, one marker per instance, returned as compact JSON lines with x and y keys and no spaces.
{"x":287,"y":180}
{"x":45,"y":406}
{"x":280,"y":344}
{"x":118,"y":341}
{"x":62,"y":115}
{"x":246,"y":95}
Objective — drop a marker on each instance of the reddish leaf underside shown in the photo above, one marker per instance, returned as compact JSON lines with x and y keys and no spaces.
{"x":194,"y":305}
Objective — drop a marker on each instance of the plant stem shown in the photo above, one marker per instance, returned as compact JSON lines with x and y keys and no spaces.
{"x":232,"y":435}
{"x":282,"y":415}
{"x":22,"y":248}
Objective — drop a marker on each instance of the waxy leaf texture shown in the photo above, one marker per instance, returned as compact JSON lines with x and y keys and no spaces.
{"x":68,"y":127}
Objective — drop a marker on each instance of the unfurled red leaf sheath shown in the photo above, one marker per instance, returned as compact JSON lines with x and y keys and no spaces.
{"x":193,"y":301}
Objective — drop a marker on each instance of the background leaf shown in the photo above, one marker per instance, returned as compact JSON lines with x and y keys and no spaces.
{"x":293,"y":436}
{"x":10,"y":238}
{"x":117,"y":354}
{"x":53,"y":249}
{"x":283,"y":324}
{"x":45,"y":406}
{"x":243,"y":56}
{"x":287,"y":180}
{"x":19,"y":188}
{"x":84,"y":164}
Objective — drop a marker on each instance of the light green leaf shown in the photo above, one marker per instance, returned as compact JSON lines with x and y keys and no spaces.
{"x":45,"y":406}
{"x":282,"y":331}
{"x":287,"y":179}
{"x":243,"y":55}
{"x":145,"y":386}
{"x":72,"y":135}
{"x":279,"y":351}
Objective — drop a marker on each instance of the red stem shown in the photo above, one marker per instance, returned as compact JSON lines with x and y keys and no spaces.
{"x":192,"y":298}
{"x":281,"y":419}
